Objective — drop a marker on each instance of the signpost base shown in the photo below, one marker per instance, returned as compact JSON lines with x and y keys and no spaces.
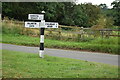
{"x":41,"y":54}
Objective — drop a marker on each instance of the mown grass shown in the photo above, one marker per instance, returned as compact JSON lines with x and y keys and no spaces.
{"x":100,"y":45}
{"x":28,"y":65}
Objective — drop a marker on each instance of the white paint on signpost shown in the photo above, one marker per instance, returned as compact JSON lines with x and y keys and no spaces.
{"x":42,"y":24}
{"x":32,"y":24}
{"x":51,"y":25}
{"x":41,"y":38}
{"x":35,"y":16}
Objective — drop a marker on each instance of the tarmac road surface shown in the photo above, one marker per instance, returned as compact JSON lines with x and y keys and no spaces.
{"x":81,"y":55}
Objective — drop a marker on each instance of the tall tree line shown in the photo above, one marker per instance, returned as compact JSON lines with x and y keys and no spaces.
{"x":66,"y":13}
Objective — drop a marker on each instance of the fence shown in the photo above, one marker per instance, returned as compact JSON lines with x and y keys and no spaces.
{"x":67,"y":33}
{"x":109,"y":32}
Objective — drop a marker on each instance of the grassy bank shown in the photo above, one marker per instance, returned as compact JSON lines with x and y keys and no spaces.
{"x":100,"y":45}
{"x":26,"y":65}
{"x":14,"y":32}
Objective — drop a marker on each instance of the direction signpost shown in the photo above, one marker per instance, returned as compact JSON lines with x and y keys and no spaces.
{"x":42,"y":25}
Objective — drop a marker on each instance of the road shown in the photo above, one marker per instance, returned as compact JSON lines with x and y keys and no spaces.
{"x":81,"y":55}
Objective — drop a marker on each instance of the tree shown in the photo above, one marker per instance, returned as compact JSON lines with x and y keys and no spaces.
{"x":79,"y":17}
{"x":92,"y":11}
{"x":105,"y":22}
{"x":103,"y":6}
{"x":18,"y":10}
{"x":116,"y":9}
{"x":68,"y":13}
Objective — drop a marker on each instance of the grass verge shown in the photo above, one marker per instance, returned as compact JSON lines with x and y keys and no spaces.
{"x":27,"y":65}
{"x":99,"y":45}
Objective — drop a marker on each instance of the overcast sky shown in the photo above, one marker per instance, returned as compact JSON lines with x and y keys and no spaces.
{"x":108,"y":2}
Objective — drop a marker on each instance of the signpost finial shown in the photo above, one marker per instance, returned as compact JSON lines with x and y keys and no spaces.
{"x":43,"y":12}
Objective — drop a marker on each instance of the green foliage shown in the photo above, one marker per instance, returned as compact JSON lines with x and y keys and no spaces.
{"x":79,"y":17}
{"x":103,"y":6}
{"x":116,"y":12}
{"x":112,"y":14}
{"x":109,"y":22}
{"x":66,"y":13}
{"x":92,"y":11}
{"x":105,"y":22}
{"x":12,"y":29}
{"x":27,"y":65}
{"x":18,"y":10}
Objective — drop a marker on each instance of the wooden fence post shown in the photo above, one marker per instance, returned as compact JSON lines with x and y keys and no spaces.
{"x":102,"y":33}
{"x":59,"y":32}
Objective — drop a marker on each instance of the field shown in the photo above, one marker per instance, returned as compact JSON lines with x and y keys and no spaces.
{"x":28,"y":65}
{"x":14,"y":33}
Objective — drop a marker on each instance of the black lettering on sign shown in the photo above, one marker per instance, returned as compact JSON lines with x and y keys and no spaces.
{"x":49,"y":26}
{"x":31,"y":24}
{"x":34,"y":16}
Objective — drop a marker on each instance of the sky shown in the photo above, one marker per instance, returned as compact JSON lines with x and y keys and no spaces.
{"x":108,"y":2}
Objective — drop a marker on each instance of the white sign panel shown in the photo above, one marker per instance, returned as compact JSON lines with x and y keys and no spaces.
{"x":51,"y":25}
{"x":32,"y":24}
{"x":35,"y":16}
